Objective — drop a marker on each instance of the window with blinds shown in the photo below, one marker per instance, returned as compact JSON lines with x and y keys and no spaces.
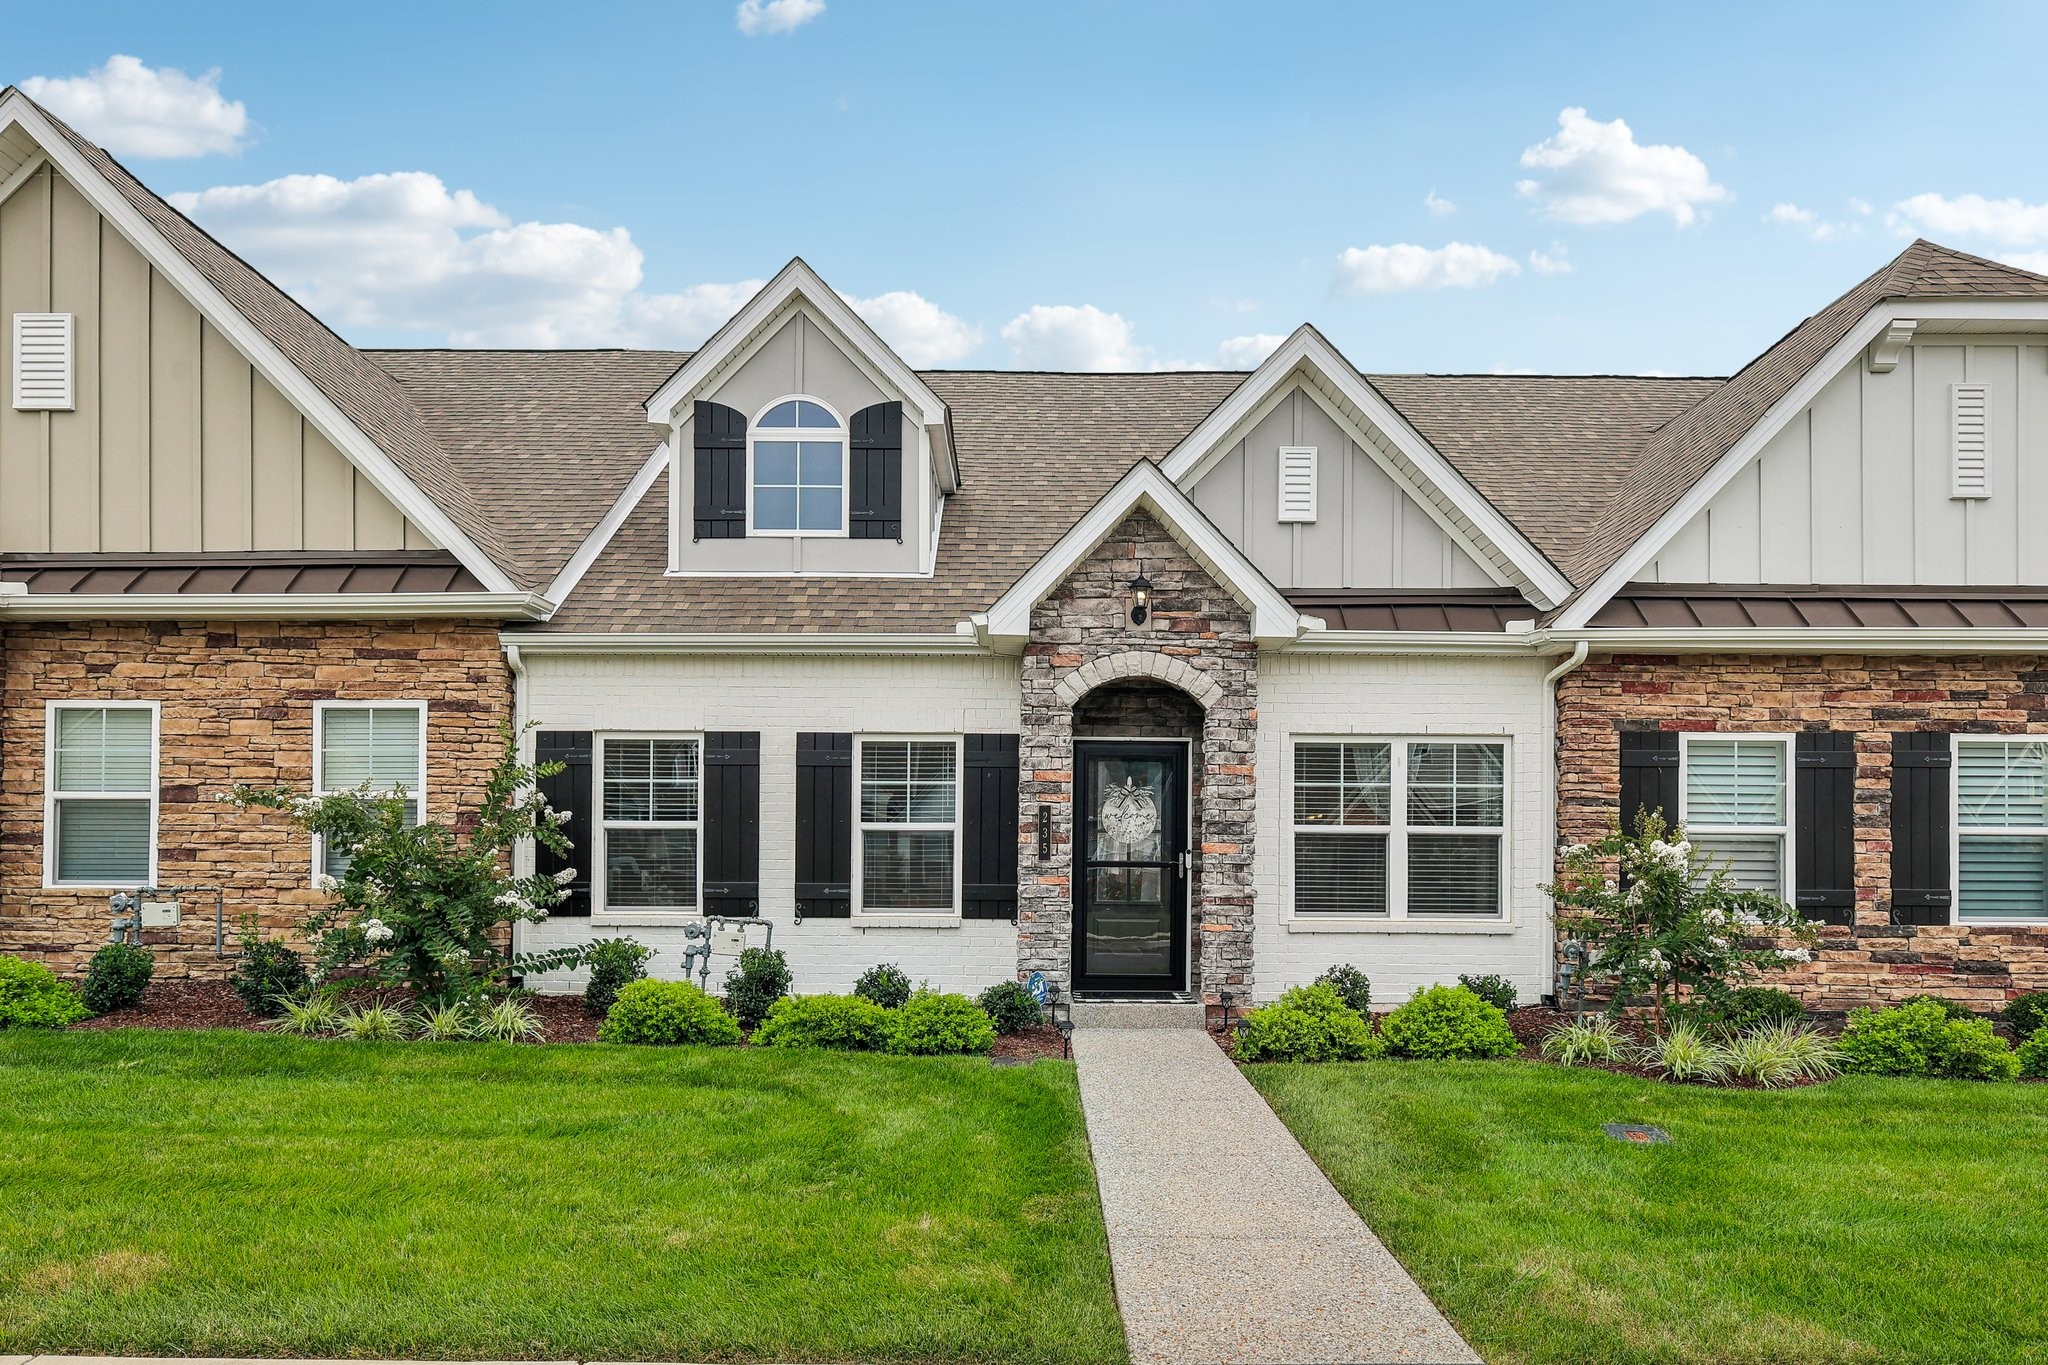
{"x":1390,"y":828}
{"x":101,"y":802}
{"x":652,"y":822}
{"x":1733,"y":804}
{"x":2001,"y":830}
{"x":373,"y":747}
{"x":909,"y":837}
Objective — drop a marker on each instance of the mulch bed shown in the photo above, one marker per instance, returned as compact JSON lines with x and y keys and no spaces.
{"x":180,"y":1004}
{"x":1033,"y":1044}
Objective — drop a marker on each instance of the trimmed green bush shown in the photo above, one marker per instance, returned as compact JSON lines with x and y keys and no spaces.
{"x":31,"y":996}
{"x":851,"y":1023}
{"x":934,"y":1022}
{"x":1953,"y":1009}
{"x":2028,"y":1013}
{"x":1351,"y":985}
{"x":1447,"y":1022}
{"x":117,"y":976}
{"x":615,"y":963}
{"x":1744,"y":1007}
{"x":1496,"y":991}
{"x":1011,"y":1006}
{"x":2033,"y":1055}
{"x":886,"y":984}
{"x":267,"y":973}
{"x":753,"y":987}
{"x":667,"y":1012}
{"x":1307,"y":1024}
{"x":1920,"y":1039}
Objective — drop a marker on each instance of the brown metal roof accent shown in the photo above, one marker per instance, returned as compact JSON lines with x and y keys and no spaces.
{"x":1416,"y":608}
{"x":1715,"y":606}
{"x":248,"y":573}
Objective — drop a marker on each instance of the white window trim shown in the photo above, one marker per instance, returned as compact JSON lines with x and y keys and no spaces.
{"x":895,"y":918}
{"x":320,"y":710}
{"x":843,"y":434}
{"x":1955,"y":830}
{"x":1397,"y":918}
{"x":1788,"y":877}
{"x":601,"y":865}
{"x":51,"y":794}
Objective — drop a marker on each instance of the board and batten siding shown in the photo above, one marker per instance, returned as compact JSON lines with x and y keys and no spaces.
{"x":1367,"y":533}
{"x":176,"y":443}
{"x":1857,"y":488}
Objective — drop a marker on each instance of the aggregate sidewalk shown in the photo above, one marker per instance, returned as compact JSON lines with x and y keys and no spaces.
{"x":1229,"y":1245}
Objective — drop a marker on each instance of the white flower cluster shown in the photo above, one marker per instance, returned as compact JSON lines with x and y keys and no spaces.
{"x":1796,"y":954}
{"x":1570,"y":850}
{"x":565,"y":876}
{"x":1713,"y":914}
{"x":377,"y":931}
{"x":559,"y":817}
{"x":1749,"y":919}
{"x":1656,"y":961}
{"x":325,"y":884}
{"x":1674,"y":855}
{"x":303,"y":806}
{"x":512,"y":900}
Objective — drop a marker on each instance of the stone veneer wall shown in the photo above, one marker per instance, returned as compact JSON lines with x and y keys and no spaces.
{"x":1874,"y":961}
{"x":237,"y":706}
{"x":1196,"y":624}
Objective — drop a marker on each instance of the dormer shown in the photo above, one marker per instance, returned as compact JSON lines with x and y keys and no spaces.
{"x":800,"y":444}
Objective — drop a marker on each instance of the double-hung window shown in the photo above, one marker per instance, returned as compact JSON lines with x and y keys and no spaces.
{"x":1399,"y":828}
{"x":653,"y":806}
{"x":376,"y":747}
{"x":907,"y":849}
{"x":101,"y":786}
{"x":2001,"y":830}
{"x":1733,"y":803}
{"x":797,"y":454}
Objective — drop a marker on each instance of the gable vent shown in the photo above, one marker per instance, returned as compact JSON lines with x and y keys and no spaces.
{"x":1967,"y":404}
{"x":1297,"y":483}
{"x":43,"y":362}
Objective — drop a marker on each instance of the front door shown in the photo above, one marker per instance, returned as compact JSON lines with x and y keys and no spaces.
{"x":1130,"y":882}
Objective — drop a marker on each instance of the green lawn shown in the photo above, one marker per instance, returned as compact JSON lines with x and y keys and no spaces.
{"x":1864,"y":1220}
{"x":237,"y":1194}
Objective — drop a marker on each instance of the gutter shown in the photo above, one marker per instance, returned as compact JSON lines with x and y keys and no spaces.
{"x":768,"y":642}
{"x":23,"y":606}
{"x":1752,"y":640}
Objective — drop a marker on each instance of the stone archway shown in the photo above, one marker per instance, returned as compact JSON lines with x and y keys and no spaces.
{"x":1139,"y":663}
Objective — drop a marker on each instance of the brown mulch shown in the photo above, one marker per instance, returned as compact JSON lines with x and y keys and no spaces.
{"x":1033,"y":1044}
{"x":565,"y":1018}
{"x":180,"y":1004}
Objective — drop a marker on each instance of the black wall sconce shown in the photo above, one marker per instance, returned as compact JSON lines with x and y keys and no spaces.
{"x":1141,"y":600}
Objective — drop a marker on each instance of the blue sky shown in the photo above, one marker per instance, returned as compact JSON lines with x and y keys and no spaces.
{"x":1079,"y":185}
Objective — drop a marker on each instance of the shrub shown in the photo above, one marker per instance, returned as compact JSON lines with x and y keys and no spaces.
{"x":1307,"y":1024}
{"x":932,"y":1022}
{"x":377,"y":1023}
{"x":510,"y":1020}
{"x":445,"y":1024}
{"x":1496,"y":991}
{"x":1953,"y":1009}
{"x":753,"y":987}
{"x":884,"y":983}
{"x":1011,"y":1006}
{"x":1351,"y":986}
{"x":1685,"y":1053}
{"x":1588,"y":1040}
{"x":2033,"y":1055}
{"x":1920,"y":1039}
{"x":614,"y":962}
{"x":267,"y":973}
{"x":1449,"y":1021}
{"x":1781,"y":1053}
{"x":2028,"y":1014}
{"x":851,"y":1023}
{"x":1747,"y":1007}
{"x":31,"y":996}
{"x":313,"y":1017}
{"x":116,"y":976}
{"x":649,"y":1011}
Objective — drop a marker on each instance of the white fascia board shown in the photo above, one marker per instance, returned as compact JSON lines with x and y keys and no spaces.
{"x":1739,"y":640}
{"x":1274,"y":619}
{"x":1307,"y":349}
{"x":1443,"y":642}
{"x":277,"y":606}
{"x":21,"y":176}
{"x":602,"y":533}
{"x":530,"y":644}
{"x":379,"y":468}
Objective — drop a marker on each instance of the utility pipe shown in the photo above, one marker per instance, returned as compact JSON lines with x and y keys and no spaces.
{"x":1550,"y":682}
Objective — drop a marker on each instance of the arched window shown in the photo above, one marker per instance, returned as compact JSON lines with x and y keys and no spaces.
{"x":797,"y":461}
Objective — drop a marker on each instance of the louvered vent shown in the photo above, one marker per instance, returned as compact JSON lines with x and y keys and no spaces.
{"x":1967,"y":404}
{"x":1298,"y":483}
{"x":42,"y":362}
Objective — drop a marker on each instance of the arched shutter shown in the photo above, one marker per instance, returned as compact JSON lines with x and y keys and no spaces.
{"x":721,"y":473}
{"x":732,"y":823}
{"x":988,"y":827}
{"x":874,"y":473}
{"x":568,"y":790}
{"x":824,"y":826}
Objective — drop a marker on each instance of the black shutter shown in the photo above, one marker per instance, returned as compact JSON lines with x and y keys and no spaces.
{"x":1824,"y":825}
{"x":874,"y":473}
{"x":721,"y":473}
{"x":1649,"y":775}
{"x":568,"y":790}
{"x":988,"y":827}
{"x":1920,"y":827}
{"x":732,"y":823}
{"x":824,"y":826}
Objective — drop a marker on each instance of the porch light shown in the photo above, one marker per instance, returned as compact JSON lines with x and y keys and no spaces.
{"x":1063,"y":1020}
{"x":1141,"y":600}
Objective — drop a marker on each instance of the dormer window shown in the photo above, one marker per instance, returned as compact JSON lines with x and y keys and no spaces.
{"x":796,"y":460}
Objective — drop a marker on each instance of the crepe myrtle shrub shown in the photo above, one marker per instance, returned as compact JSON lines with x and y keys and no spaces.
{"x":885,"y":983}
{"x":424,"y":906}
{"x":667,"y":1012}
{"x":753,"y":986}
{"x":1449,"y":1022}
{"x":31,"y":996}
{"x":1307,"y":1024}
{"x":844,"y":1023}
{"x":1011,"y":1007}
{"x":267,"y":972}
{"x":1351,"y":985}
{"x":117,"y":976}
{"x":614,"y":964}
{"x":934,"y":1022}
{"x":1663,"y":919}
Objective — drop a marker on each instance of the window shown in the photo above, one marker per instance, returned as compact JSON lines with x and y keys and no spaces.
{"x":378,"y":747}
{"x":100,"y":808}
{"x":2001,"y":830}
{"x":906,"y":853}
{"x":796,"y":455}
{"x":1399,"y":828}
{"x":1732,"y":804}
{"x":650,"y":831}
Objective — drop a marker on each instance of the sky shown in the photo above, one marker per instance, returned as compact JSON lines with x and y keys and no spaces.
{"x":1077,"y":184}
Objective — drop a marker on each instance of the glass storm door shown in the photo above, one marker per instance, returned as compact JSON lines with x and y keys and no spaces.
{"x":1130,"y":887}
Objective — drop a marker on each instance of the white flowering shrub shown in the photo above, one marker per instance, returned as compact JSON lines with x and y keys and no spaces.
{"x":1662,"y":920}
{"x":426,"y":906}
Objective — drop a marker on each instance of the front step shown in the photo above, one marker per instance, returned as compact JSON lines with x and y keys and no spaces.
{"x":1180,"y":1011}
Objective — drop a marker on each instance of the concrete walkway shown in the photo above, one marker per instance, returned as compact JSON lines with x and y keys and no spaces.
{"x":1229,"y":1244}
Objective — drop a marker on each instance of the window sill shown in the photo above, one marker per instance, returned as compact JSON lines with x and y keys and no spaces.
{"x":650,"y":918}
{"x":1338,"y":924}
{"x":906,"y":920}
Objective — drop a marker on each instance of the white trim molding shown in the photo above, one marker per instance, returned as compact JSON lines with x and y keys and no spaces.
{"x":531,"y":644}
{"x":52,"y":797}
{"x":271,"y":606}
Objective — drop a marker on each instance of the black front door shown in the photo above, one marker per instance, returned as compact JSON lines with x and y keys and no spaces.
{"x":1130,"y":878}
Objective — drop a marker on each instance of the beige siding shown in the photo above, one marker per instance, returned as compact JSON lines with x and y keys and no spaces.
{"x":177,"y":444}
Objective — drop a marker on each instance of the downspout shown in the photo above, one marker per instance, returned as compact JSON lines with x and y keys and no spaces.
{"x":1550,"y":682}
{"x":522,"y":857}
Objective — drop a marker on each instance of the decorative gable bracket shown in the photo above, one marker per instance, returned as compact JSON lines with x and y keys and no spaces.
{"x":1884,"y":353}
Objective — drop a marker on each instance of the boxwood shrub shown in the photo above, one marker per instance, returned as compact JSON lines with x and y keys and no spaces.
{"x":1743,"y":1008}
{"x":1449,"y":1021}
{"x":2033,"y":1055}
{"x":2028,"y":1013}
{"x":1920,"y":1039}
{"x":267,"y":974}
{"x":615,"y":963}
{"x":1351,"y":984}
{"x":1011,"y":1006}
{"x":650,"y":1011}
{"x":117,"y":976}
{"x":885,"y":983}
{"x":1496,"y":991}
{"x":934,"y":1022}
{"x":1307,"y":1024}
{"x":850,"y":1023}
{"x":31,"y":996}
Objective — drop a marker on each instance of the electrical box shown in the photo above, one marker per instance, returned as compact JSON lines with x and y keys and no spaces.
{"x":728,"y":940}
{"x":160,"y":914}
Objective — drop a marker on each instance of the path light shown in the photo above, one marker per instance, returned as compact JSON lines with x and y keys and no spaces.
{"x":1229,"y":1003}
{"x":1063,"y":1020}
{"x":1141,"y":600}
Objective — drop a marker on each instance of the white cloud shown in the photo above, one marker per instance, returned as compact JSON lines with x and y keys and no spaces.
{"x":1245,"y":352}
{"x":1808,"y":221}
{"x":925,"y":335}
{"x":1065,"y":337}
{"x":1403,"y":266}
{"x":1551,"y":262}
{"x":756,"y":17}
{"x":1438,"y":207}
{"x":2009,"y":222}
{"x":2036,"y":261}
{"x":136,"y":110}
{"x":1789,"y":213}
{"x":1596,"y":172}
{"x":1860,"y":207}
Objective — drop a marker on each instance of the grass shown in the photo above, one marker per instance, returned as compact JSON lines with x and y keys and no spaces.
{"x":1863,"y":1220}
{"x":236,"y":1194}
